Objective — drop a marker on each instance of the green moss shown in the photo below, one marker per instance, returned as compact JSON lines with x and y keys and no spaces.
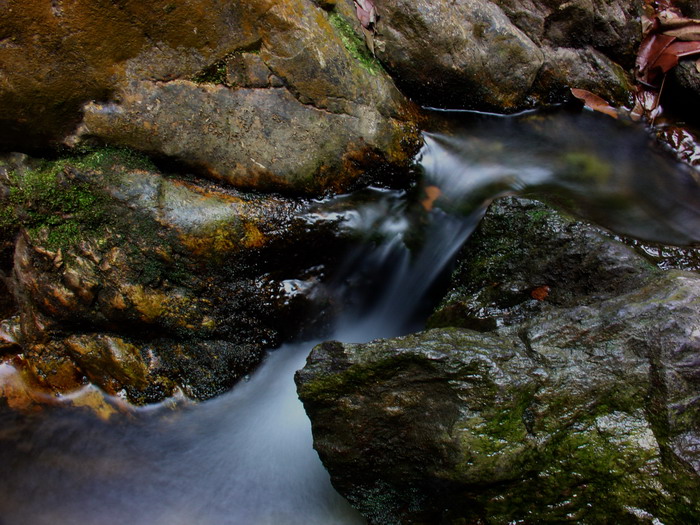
{"x":541,"y":216}
{"x":212,"y":74}
{"x":328,"y":387}
{"x":57,"y":197}
{"x":45,"y":198}
{"x":8,"y":222}
{"x":355,"y":44}
{"x":87,"y":157}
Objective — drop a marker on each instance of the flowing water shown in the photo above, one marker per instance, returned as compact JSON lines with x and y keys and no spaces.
{"x":246,"y":458}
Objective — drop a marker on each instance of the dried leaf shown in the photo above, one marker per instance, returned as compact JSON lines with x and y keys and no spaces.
{"x":369,"y":39}
{"x":594,"y":102}
{"x":366,"y":13}
{"x":540,"y":293}
{"x":650,"y":50}
{"x":684,"y":49}
{"x":686,"y":29}
{"x":669,"y":58}
{"x":432,"y":194}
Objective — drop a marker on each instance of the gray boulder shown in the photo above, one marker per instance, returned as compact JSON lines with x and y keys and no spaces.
{"x":504,"y":55}
{"x":574,"y":400}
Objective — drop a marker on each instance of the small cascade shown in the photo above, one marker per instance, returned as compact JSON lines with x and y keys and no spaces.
{"x":246,"y":457}
{"x":595,"y":167}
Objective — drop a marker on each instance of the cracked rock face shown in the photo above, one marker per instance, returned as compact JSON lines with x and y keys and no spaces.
{"x":263,"y":139}
{"x":306,"y":115}
{"x":503,"y":55}
{"x":577,"y":406}
{"x":299,"y":115}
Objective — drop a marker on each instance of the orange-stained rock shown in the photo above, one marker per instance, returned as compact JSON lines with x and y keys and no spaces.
{"x":176,"y":286}
{"x":58,"y":55}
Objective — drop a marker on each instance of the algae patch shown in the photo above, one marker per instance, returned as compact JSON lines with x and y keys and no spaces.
{"x":57,"y":198}
{"x":355,"y":44}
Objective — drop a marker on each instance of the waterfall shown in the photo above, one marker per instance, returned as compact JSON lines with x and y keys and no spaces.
{"x":246,"y":457}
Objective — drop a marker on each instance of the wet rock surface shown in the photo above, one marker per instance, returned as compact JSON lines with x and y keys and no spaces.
{"x":248,"y":93}
{"x":58,"y":55}
{"x":119,"y":276}
{"x":506,"y":55}
{"x":523,"y":251}
{"x":251,"y":138}
{"x":571,"y":396}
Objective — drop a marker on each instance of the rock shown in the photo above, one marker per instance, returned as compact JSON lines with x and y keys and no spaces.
{"x":689,"y":8}
{"x":57,"y":56}
{"x":584,"y":68}
{"x":571,"y":404}
{"x":263,"y":139}
{"x":143,"y":284}
{"x":264,"y":125}
{"x":248,"y":70}
{"x":457,"y":54}
{"x":523,"y":248}
{"x":503,"y":55}
{"x":687,"y":76}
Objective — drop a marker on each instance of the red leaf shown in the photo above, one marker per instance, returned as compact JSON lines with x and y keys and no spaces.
{"x":684,"y":49}
{"x":669,"y":58}
{"x":540,"y":293}
{"x":650,"y":50}
{"x":594,"y":102}
{"x":366,"y":13}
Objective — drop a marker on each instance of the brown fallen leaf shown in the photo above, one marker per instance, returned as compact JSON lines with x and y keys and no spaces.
{"x":432,"y":194}
{"x":669,"y":58}
{"x":651,"y":49}
{"x":686,"y":29}
{"x":594,"y":102}
{"x":540,"y":293}
{"x":366,"y":13}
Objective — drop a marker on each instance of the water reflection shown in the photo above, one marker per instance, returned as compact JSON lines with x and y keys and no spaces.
{"x":604,"y":170}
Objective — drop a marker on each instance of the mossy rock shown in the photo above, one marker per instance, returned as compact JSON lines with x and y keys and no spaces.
{"x":171,"y":277}
{"x":569,"y":417}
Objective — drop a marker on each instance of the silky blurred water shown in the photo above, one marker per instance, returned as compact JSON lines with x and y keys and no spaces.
{"x":246,"y":458}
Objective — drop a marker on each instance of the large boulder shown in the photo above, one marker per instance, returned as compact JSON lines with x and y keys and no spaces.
{"x":505,"y":55}
{"x":464,"y":53}
{"x":571,"y":397}
{"x":143,"y":283}
{"x":58,"y":55}
{"x":262,"y":139}
{"x":248,"y":92}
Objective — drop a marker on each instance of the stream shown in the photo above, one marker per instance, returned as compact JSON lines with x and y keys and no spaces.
{"x":246,"y":457}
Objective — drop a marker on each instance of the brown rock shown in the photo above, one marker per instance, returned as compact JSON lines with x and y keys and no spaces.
{"x":177,"y":284}
{"x":58,"y":55}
